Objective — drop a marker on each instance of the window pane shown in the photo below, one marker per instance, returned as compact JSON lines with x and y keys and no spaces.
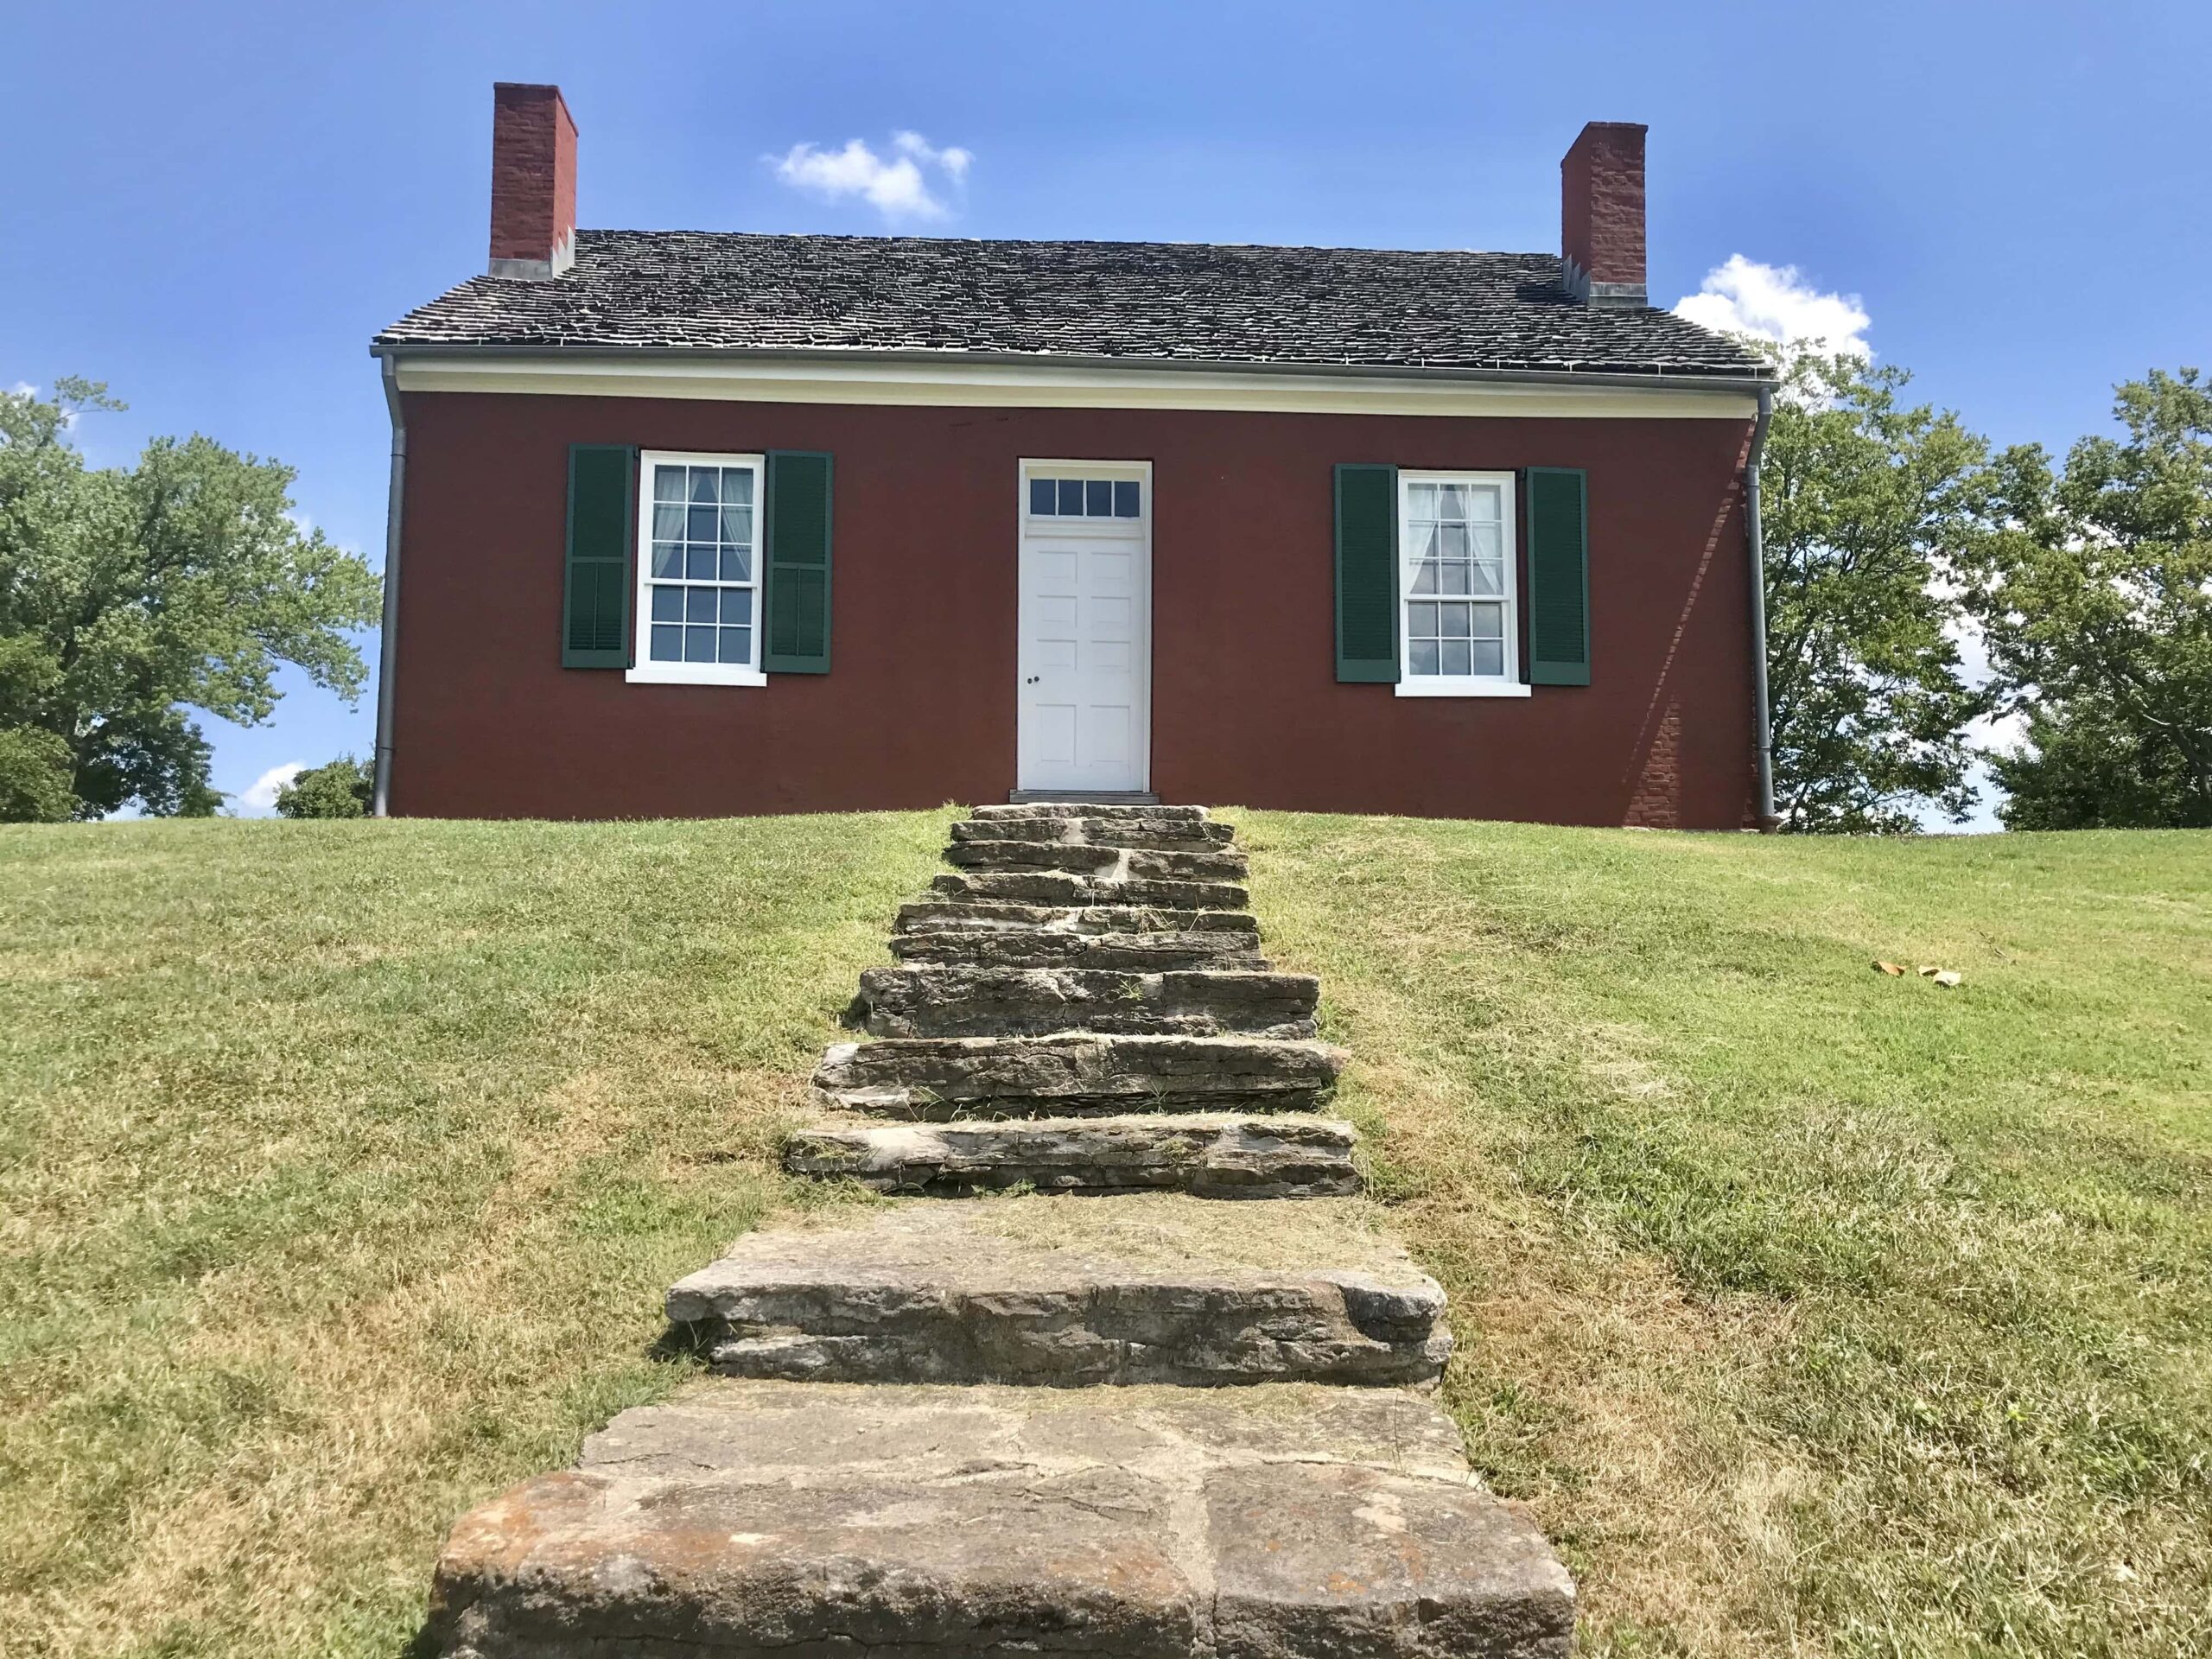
{"x":737,"y":606}
{"x":1490,"y":657}
{"x":1489,"y":621}
{"x":1098,"y":498}
{"x":1452,"y":541}
{"x":1042,"y":496}
{"x":737,"y":646}
{"x":1455,"y":578}
{"x":704,"y":524}
{"x":699,"y":604}
{"x":1125,"y":498}
{"x":1420,"y":622}
{"x":668,"y":604}
{"x":737,"y":486}
{"x":1420,"y":500}
{"x":1485,"y":503}
{"x":1422,"y":655}
{"x":706,"y":483}
{"x":667,"y":483}
{"x":1424,"y":541}
{"x":1455,"y":657}
{"x":699,"y":563}
{"x":668,"y":644}
{"x":737,"y":524}
{"x":1455,"y":621}
{"x":1488,"y":541}
{"x":1452,"y":501}
{"x":737,"y":564}
{"x":1071,"y":497}
{"x":1425,"y":578}
{"x":667,"y":559}
{"x":668,"y":519}
{"x":1488,"y":579}
{"x":699,"y":644}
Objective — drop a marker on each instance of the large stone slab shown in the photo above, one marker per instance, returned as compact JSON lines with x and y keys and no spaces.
{"x":1165,"y":835}
{"x":1114,"y":811}
{"x":938,"y":915}
{"x":1101,"y":864}
{"x":753,"y":1520}
{"x":1151,"y":1288}
{"x":1142,"y":953}
{"x":994,"y":1001}
{"x":1210,"y":1155}
{"x":1059,"y":887}
{"x":1074,"y":1074}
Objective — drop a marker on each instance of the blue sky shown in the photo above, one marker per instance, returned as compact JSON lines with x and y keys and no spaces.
{"x":213,"y":207}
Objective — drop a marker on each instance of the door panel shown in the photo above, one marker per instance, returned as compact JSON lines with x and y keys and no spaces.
{"x":1085,"y":657}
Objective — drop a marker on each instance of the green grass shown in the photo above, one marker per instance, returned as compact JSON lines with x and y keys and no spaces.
{"x":342,"y":1167}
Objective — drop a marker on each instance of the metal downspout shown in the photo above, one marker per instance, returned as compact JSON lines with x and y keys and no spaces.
{"x":388,"y":644}
{"x":1756,"y":542}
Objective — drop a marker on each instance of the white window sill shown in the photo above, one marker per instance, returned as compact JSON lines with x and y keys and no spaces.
{"x":1457,"y":688}
{"x":692,"y":674}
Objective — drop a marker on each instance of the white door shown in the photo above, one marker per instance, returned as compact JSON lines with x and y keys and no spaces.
{"x":1086,"y":625}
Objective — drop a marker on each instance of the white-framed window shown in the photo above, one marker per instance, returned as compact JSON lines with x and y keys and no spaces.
{"x":698,"y":599}
{"x":1459,"y":633}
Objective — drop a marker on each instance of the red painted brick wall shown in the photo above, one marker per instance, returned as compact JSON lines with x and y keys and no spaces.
{"x":1601,"y":202}
{"x":920,"y":706}
{"x":533,"y":171}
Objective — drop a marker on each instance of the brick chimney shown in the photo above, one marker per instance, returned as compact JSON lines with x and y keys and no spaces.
{"x":533,"y":182}
{"x":1601,"y":214}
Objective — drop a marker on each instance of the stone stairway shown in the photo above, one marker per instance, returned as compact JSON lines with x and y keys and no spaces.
{"x":1090,"y":1410}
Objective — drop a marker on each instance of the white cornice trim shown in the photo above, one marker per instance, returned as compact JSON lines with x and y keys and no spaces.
{"x":1011,"y":384}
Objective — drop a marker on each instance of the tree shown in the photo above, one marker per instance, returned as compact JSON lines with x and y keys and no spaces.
{"x":2095,"y":595}
{"x":129,"y":595}
{"x":342,"y":789}
{"x":1867,"y":506}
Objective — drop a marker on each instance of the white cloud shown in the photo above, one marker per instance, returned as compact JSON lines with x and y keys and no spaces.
{"x":1775,"y":303}
{"x":898,"y":185}
{"x":260,"y":796}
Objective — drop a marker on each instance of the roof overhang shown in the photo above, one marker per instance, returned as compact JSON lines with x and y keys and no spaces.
{"x":846,"y":375}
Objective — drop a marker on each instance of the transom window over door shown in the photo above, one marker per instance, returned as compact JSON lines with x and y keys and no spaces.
{"x":1459,"y":633}
{"x":698,"y":570}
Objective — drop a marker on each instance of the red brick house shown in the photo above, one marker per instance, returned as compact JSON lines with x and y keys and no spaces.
{"x":712,"y":523}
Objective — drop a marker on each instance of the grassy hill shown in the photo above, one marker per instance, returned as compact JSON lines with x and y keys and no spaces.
{"x":341,"y":1167}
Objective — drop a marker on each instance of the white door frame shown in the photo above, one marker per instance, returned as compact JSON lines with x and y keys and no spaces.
{"x":1076,"y":529}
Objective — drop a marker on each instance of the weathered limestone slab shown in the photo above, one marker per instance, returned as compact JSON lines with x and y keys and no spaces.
{"x":1101,"y":863}
{"x":1056,"y":888}
{"x":1210,"y":1155}
{"x":1149,"y":1288}
{"x":752,"y":1520}
{"x":1074,"y":1074}
{"x":954,"y":1002}
{"x":1140,"y":953}
{"x":1090,"y":810}
{"x":940,"y":915}
{"x":1165,"y":835}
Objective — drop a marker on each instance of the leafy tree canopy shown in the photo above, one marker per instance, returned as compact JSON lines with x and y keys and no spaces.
{"x":340,"y":789}
{"x":1868,"y":504}
{"x":131,"y":595}
{"x":2095,"y":596}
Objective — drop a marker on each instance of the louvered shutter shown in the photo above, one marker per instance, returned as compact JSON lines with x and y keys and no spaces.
{"x":595,"y":603}
{"x":797,"y":566}
{"x":1558,"y":576}
{"x":1367,"y":573}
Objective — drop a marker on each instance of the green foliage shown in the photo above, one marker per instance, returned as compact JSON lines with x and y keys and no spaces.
{"x":1867,"y":506}
{"x":2096,"y":597}
{"x":128,"y":595}
{"x":342,"y":789}
{"x":35,"y":772}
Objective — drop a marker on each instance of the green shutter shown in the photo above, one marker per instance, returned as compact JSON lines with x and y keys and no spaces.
{"x":595,"y":602}
{"x":1558,"y":576}
{"x":1367,"y":573}
{"x":797,"y":567}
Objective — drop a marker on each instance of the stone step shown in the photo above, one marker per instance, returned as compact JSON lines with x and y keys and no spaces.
{"x":1210,"y":1155}
{"x":1154,"y":1287}
{"x":1075,"y":1074}
{"x":1082,"y":858}
{"x":958,"y":1001}
{"x":749,"y":1519}
{"x":1089,"y":809}
{"x":1057,"y":887}
{"x":940,"y":914}
{"x":1162,"y":835}
{"x":1142,"y":953}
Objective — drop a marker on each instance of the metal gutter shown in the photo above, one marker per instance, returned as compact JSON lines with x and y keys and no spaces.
{"x":390,"y":350}
{"x":1755,"y":542}
{"x":388,"y":643}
